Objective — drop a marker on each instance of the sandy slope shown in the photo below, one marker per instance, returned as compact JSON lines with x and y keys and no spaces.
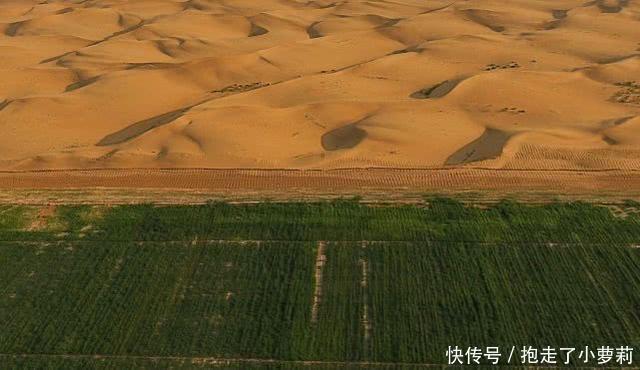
{"x":514,"y":84}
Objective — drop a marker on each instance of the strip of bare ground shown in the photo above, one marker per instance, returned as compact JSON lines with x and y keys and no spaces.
{"x":214,"y":360}
{"x":186,"y":186}
{"x":321,"y":260}
{"x":226,"y":361}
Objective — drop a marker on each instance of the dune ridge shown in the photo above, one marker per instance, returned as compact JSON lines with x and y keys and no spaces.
{"x":296,"y":84}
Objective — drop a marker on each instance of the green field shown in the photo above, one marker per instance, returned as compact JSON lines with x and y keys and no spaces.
{"x":187,"y":286}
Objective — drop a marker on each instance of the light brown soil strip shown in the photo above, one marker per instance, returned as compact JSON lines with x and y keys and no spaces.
{"x":321,"y":260}
{"x":286,"y":184}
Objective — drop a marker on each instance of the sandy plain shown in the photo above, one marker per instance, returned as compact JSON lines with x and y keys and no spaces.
{"x":320,"y":85}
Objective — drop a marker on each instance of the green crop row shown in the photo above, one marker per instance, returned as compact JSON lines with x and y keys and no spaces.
{"x":148,"y":287}
{"x":379,"y":302}
{"x":441,"y":220}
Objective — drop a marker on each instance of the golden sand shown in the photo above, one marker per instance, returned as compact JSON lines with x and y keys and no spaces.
{"x":510,"y":84}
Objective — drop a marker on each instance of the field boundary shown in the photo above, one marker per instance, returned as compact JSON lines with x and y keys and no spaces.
{"x":310,"y":170}
{"x":240,"y":360}
{"x":292,"y":183}
{"x":215,"y":360}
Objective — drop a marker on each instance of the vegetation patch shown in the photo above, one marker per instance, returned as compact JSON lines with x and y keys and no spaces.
{"x":322,"y":285}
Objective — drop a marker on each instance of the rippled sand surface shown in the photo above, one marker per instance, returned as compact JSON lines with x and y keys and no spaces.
{"x":513,"y":84}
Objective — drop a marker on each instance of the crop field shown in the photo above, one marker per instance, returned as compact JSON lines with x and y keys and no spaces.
{"x":310,"y":285}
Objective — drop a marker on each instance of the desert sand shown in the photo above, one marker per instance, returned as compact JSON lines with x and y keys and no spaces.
{"x":320,"y":84}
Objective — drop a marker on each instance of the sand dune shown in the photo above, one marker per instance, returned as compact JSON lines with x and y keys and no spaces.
{"x":517,"y":84}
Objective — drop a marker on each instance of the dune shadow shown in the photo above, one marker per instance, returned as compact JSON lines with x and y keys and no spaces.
{"x":437,"y":91}
{"x":616,"y":121}
{"x":552,"y":25}
{"x":488,"y":146}
{"x":410,"y":49}
{"x":476,"y":16}
{"x":257,"y":30}
{"x":390,"y":22}
{"x":609,"y":140}
{"x":313,"y":32}
{"x":64,"y":11}
{"x":149,"y":65}
{"x":141,"y":127}
{"x":80,"y":84}
{"x":344,"y":137}
{"x":4,"y":104}
{"x":615,"y":58}
{"x":193,"y":5}
{"x":13,"y":29}
{"x":559,"y":13}
{"x":607,"y":8}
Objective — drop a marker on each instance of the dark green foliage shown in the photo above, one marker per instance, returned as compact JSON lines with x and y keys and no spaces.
{"x":161,"y":285}
{"x":442,"y":220}
{"x":465,"y":294}
{"x":631,"y":203}
{"x":154,"y":299}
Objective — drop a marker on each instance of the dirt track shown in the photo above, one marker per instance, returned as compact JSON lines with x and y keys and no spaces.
{"x":198,"y":185}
